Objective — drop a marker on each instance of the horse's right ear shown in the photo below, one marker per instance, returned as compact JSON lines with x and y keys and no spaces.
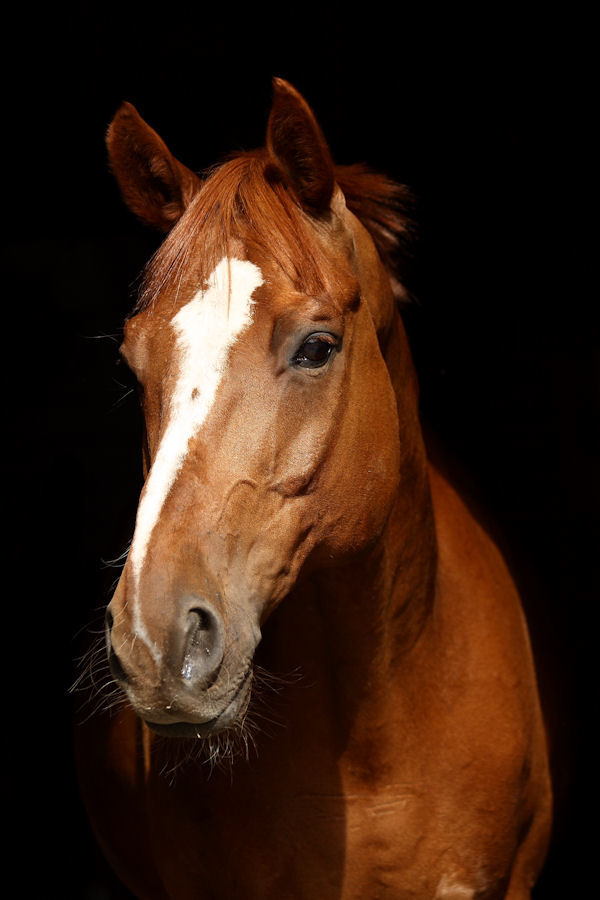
{"x":155,"y":185}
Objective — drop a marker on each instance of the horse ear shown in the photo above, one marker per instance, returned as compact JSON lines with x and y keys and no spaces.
{"x":296,"y":144}
{"x":155,"y":186}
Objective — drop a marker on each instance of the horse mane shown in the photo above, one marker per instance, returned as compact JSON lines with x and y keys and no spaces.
{"x":382,"y":206}
{"x":246,"y":198}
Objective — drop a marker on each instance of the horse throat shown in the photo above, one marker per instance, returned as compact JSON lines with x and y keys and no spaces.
{"x":376,"y":609}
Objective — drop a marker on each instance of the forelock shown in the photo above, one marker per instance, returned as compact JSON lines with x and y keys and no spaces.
{"x":244,"y":200}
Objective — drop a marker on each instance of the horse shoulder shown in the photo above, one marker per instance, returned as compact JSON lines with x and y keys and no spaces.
{"x":497,"y":753}
{"x":478,"y":603}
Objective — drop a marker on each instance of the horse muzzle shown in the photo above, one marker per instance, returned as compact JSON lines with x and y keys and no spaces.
{"x":232,"y":714}
{"x":190,"y":683}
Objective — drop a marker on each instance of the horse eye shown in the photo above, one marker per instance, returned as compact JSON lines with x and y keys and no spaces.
{"x":315,"y":351}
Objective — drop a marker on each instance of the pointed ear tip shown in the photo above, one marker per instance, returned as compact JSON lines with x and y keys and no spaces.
{"x":125,"y":117}
{"x":282,"y":87}
{"x":126,"y":111}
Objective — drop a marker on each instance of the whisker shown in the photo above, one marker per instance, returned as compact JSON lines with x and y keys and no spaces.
{"x":119,"y":561}
{"x":115,"y":338}
{"x":238,"y":743}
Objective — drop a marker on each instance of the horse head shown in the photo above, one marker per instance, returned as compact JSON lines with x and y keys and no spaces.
{"x":272,"y":448}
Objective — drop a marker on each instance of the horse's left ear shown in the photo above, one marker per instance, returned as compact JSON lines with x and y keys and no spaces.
{"x":296,"y":144}
{"x":155,"y":185}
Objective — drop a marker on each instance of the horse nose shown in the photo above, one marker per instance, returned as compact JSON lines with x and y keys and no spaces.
{"x":202,"y":645}
{"x":196,"y":645}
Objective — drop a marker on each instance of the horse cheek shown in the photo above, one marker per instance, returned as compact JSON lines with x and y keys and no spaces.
{"x":366,"y":477}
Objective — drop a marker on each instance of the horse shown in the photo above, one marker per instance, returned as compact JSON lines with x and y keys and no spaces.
{"x":328,"y":685}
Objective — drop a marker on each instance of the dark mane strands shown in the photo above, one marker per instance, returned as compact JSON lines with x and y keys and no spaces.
{"x":245,"y":198}
{"x":382,"y":205}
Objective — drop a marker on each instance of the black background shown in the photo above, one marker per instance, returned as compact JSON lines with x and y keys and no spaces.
{"x":488,"y":116}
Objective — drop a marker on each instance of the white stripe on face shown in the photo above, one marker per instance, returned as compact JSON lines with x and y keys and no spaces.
{"x":205,"y":328}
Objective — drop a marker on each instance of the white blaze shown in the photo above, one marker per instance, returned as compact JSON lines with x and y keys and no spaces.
{"x":205,"y":330}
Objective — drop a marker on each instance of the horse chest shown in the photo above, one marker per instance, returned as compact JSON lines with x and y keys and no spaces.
{"x":247,"y":842}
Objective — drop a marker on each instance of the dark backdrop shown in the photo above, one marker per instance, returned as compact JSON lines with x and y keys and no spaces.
{"x":487,"y":116}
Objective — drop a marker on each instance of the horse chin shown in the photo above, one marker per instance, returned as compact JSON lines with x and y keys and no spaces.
{"x":230,"y":718}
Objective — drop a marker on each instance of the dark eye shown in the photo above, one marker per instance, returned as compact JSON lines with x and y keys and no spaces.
{"x":315,"y":351}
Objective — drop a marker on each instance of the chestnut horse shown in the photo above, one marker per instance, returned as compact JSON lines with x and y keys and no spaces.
{"x":290,"y":523}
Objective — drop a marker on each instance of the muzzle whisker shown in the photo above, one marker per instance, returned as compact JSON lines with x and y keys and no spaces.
{"x":119,"y":561}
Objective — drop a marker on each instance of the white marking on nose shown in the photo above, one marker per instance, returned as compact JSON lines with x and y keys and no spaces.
{"x":205,"y":330}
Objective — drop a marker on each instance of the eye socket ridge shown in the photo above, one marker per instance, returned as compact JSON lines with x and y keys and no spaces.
{"x":315,"y":350}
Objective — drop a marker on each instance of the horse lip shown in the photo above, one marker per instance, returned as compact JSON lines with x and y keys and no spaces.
{"x":207,"y":727}
{"x":184,"y":729}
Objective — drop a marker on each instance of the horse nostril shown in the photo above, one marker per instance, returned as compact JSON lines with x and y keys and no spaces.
{"x":203,"y":646}
{"x":116,"y":669}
